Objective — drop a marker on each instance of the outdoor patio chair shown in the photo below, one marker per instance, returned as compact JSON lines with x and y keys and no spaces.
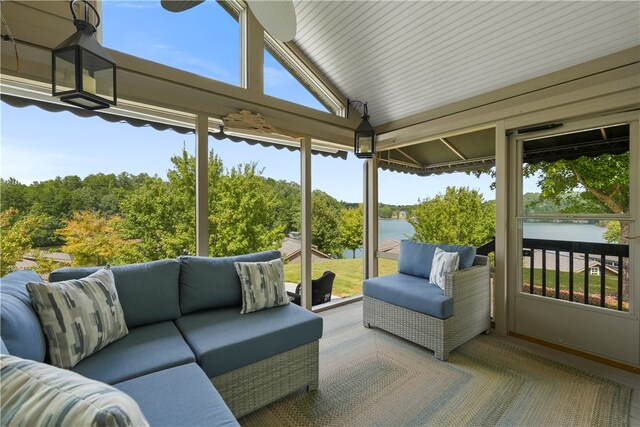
{"x":320,"y":289}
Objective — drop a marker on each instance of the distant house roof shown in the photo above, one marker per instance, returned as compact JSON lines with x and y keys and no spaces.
{"x":391,"y":246}
{"x":564,"y":261}
{"x":291,"y":247}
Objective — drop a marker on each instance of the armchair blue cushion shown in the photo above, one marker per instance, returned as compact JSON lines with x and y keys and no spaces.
{"x":19,"y":324}
{"x":415,"y":257}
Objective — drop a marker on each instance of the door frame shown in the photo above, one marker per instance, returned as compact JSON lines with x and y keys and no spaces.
{"x":585,"y":328}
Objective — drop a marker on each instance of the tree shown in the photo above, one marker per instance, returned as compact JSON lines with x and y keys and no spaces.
{"x":93,"y":240}
{"x":351,"y":228}
{"x":460,"y":216}
{"x":612,"y":232}
{"x":15,"y":238}
{"x":243,"y":218}
{"x":325,"y":223}
{"x":385,"y":211}
{"x":589,"y":185}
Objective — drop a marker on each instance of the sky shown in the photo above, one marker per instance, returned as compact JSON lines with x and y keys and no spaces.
{"x":37,"y":145}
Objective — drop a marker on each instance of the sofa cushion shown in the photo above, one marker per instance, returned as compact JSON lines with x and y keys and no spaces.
{"x":19,"y":324}
{"x":416,"y":257}
{"x":224,"y":340}
{"x":37,"y":394}
{"x":79,"y":317}
{"x":145,"y":349}
{"x":410,"y":292}
{"x":262,"y":285}
{"x":3,"y":348}
{"x":148,"y":291}
{"x":207,"y":282}
{"x":179,"y":396}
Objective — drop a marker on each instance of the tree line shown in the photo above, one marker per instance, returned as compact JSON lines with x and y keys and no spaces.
{"x":125,"y":218}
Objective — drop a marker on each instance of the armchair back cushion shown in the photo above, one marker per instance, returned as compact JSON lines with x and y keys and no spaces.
{"x":416,"y":257}
{"x":148,"y":291}
{"x":207,"y":282}
{"x":19,"y":324}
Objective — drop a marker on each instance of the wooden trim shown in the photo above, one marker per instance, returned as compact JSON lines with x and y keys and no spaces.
{"x":305,"y":222}
{"x":503,"y":179}
{"x":337,"y":303}
{"x":251,"y":52}
{"x":202,"y":185}
{"x":585,"y":355}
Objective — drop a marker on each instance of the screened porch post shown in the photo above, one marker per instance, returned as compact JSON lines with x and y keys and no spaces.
{"x":252,"y":52}
{"x":370,"y":212}
{"x":202,"y":185}
{"x":502,"y":230}
{"x":305,"y":221}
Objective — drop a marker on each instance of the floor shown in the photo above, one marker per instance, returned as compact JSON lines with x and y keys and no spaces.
{"x":337,"y":317}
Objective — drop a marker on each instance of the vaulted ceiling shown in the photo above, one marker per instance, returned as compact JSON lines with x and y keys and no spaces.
{"x":407,"y":57}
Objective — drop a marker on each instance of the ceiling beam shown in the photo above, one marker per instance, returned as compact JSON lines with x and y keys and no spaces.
{"x":452,"y":148}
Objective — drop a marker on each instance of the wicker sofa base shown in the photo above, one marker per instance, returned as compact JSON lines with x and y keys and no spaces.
{"x":254,"y":386}
{"x":438,"y":335}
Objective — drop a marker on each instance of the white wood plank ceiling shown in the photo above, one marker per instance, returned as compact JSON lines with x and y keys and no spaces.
{"x":408,"y":57}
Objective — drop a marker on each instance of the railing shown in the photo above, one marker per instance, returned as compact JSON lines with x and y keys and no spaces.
{"x":564,"y":254}
{"x":610,"y":258}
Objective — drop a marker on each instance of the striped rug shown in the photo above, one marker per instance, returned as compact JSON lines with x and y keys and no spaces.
{"x":370,"y":377}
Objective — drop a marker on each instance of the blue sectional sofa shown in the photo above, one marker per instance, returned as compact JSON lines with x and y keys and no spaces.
{"x":190,"y":357}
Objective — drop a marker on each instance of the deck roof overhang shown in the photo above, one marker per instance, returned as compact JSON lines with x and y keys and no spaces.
{"x":445,"y":136}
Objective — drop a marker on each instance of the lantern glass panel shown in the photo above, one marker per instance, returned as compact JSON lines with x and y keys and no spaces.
{"x":97,"y":75}
{"x":364,"y":143}
{"x":64,"y":79}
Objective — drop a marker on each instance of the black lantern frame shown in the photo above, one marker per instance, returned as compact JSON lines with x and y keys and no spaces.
{"x":82,"y":72}
{"x":364,"y":141}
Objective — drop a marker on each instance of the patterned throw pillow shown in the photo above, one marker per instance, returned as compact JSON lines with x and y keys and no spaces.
{"x":36,"y":394}
{"x":443,"y":262}
{"x":78,"y":317}
{"x":262,"y":285}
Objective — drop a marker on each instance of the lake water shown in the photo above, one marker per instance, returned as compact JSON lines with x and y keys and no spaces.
{"x":399,"y":229}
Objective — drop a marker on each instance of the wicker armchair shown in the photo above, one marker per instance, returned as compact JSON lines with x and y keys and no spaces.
{"x":469,"y":289}
{"x":320,"y":289}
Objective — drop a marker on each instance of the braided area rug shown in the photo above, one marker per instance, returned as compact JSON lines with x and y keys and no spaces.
{"x":370,"y":377}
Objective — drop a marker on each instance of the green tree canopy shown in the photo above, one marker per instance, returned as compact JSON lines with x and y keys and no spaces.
{"x":351,"y":228}
{"x":325,"y":223}
{"x":93,"y":240}
{"x":460,"y":216}
{"x":243,"y":208}
{"x":585,"y":185}
{"x":16,"y":239}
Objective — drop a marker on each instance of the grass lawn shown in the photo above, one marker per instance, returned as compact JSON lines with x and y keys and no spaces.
{"x":348,"y":280}
{"x":611,"y":281}
{"x":611,"y":287}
